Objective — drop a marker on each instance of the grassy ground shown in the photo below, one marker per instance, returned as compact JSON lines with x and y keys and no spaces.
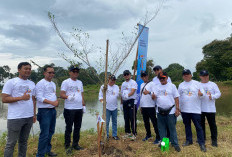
{"x":139,"y":148}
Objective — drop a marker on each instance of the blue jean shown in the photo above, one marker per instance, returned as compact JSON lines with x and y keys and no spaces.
{"x":196,"y":118}
{"x":167,"y":122}
{"x":47,"y":121}
{"x":113,"y":114}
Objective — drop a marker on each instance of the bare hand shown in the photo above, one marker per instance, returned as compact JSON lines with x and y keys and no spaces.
{"x":210,"y":97}
{"x":145,"y":92}
{"x":34,"y":118}
{"x":101,"y":100}
{"x":25,"y":96}
{"x":199,"y":93}
{"x":153,"y":96}
{"x":177,"y":113}
{"x":55,"y":103}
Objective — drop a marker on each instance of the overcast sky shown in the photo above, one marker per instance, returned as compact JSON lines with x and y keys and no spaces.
{"x":176,"y":35}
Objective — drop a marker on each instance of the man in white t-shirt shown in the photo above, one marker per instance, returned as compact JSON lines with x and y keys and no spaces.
{"x":147,"y":106}
{"x":112,"y":94}
{"x":74,"y":106}
{"x":157,"y":69}
{"x":208,"y":108}
{"x":46,"y":103}
{"x":191,"y":92}
{"x":19,"y":93}
{"x":167,"y":101}
{"x":128,"y":92}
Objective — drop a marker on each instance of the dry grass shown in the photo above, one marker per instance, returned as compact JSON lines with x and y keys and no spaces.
{"x":139,"y":148}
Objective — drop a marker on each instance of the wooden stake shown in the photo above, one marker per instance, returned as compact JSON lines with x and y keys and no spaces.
{"x":136,"y":61}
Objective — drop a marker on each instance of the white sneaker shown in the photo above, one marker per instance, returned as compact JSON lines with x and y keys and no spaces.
{"x":127,"y":135}
{"x":133,"y":138}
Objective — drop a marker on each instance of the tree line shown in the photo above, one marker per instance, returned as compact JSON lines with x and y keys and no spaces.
{"x":217,"y":60}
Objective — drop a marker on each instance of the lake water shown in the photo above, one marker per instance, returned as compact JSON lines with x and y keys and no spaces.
{"x":88,"y":121}
{"x":224,"y":106}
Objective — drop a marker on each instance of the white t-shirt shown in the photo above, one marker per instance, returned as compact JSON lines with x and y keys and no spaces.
{"x":146,"y":100}
{"x":111,"y":96}
{"x":16,"y":87}
{"x":190,"y":102}
{"x":208,"y":105}
{"x":157,"y":81}
{"x":73,"y":88}
{"x":127,"y":87}
{"x":45,"y":90}
{"x":165,"y":96}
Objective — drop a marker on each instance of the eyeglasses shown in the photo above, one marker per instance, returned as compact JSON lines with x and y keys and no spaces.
{"x":126,"y":74}
{"x":51,"y":72}
{"x":162,"y":78}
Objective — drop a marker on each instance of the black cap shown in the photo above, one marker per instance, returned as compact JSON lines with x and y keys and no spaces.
{"x":204,"y":73}
{"x":126,"y":72}
{"x":186,"y":71}
{"x":73,"y":67}
{"x":157,"y":67}
{"x":112,"y":77}
{"x":162,"y":75}
{"x":143,"y":73}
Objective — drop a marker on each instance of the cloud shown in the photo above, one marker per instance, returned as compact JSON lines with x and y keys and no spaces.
{"x":36,"y":35}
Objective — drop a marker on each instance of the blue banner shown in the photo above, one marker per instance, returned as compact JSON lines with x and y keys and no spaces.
{"x":142,"y":57}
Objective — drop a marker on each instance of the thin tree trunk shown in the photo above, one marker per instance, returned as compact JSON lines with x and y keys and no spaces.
{"x":104,"y":91}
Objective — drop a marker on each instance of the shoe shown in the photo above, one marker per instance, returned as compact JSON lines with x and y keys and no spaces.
{"x":51,"y":154}
{"x":146,"y":138}
{"x":177,"y":148}
{"x":116,"y":138}
{"x":78,"y":147}
{"x":126,"y":136}
{"x":157,"y":141}
{"x":187,"y":143}
{"x":68,"y":151}
{"x":203,"y":149}
{"x":214,"y":143}
{"x":133,"y":138}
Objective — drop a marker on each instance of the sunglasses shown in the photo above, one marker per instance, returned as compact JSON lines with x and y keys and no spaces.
{"x":162,"y":78}
{"x":51,"y":72}
{"x":156,"y":69}
{"x":126,"y":74}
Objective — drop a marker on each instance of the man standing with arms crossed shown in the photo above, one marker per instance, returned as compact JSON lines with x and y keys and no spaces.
{"x":191,"y":92}
{"x":74,"y":106}
{"x":19,"y":93}
{"x":208,"y":108}
{"x":147,"y":106}
{"x":128,"y":91}
{"x":111,"y":105}
{"x":46,"y":103}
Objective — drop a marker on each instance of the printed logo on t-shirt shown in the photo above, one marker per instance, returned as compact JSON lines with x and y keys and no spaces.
{"x":187,"y":92}
{"x":207,"y":91}
{"x":162,"y":92}
{"x":23,"y":89}
{"x":110,"y":91}
{"x":50,"y":89}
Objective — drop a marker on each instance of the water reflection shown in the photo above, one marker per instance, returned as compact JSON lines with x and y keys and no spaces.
{"x":88,"y":122}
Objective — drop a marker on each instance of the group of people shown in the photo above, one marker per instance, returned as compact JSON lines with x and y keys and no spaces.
{"x":22,"y":96}
{"x":160,"y":101}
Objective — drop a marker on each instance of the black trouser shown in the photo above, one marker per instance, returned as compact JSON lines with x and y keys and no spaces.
{"x":72,"y":117}
{"x":150,"y":113}
{"x":130,"y":111}
{"x":212,"y":124}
